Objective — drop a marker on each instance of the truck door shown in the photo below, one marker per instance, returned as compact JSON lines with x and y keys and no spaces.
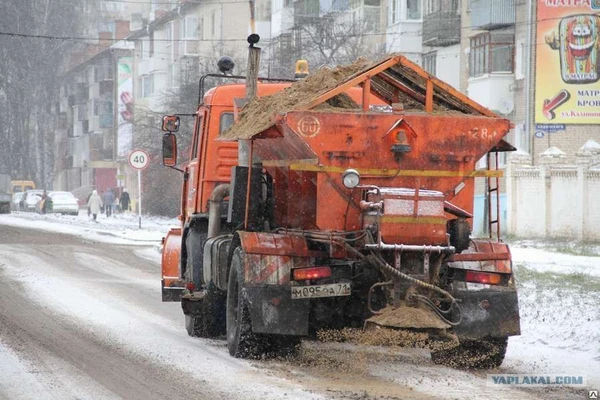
{"x":194,"y":165}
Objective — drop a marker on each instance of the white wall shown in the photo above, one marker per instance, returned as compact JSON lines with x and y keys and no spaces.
{"x":555,"y":199}
{"x":591,"y":217}
{"x":563,"y":208}
{"x":493,"y":91}
{"x":448,"y":65}
{"x":405,"y":37}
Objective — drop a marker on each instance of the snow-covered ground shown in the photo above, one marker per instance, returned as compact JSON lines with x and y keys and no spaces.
{"x":559,"y":302}
{"x":559,"y":296}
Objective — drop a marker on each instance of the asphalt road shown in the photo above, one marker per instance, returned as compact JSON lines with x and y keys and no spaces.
{"x":84,"y":320}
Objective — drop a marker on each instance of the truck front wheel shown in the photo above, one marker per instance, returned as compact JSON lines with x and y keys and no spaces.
{"x":241,"y":341}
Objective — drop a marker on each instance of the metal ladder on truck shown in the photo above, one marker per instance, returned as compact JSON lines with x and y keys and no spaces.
{"x":493,"y":188}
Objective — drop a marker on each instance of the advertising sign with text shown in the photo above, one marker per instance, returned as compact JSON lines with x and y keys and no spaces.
{"x":567,"y":62}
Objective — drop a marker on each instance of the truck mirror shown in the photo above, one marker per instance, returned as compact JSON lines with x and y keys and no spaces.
{"x":170,"y":123}
{"x":169,"y":149}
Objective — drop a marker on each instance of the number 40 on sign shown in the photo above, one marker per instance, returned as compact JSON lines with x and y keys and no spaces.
{"x":138,"y":159}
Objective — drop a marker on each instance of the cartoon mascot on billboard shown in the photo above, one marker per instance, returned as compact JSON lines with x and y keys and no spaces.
{"x":578,"y":45}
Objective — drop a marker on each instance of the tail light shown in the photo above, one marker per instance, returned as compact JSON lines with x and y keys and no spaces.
{"x":483,"y":277}
{"x":191,"y":286}
{"x":302,"y":274}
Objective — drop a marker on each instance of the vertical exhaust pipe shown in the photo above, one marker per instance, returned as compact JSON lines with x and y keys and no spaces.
{"x":214,"y":209}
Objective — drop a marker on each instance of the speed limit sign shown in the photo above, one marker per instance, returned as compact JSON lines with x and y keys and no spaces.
{"x":138,"y":159}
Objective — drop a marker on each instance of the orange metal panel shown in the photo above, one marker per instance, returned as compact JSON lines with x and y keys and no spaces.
{"x":170,"y":258}
{"x":429,"y":97}
{"x":484,"y":255}
{"x":276,"y":244}
{"x":444,"y":148}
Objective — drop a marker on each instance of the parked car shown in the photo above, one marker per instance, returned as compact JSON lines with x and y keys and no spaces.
{"x":15,"y":203}
{"x":32,"y":197}
{"x":64,"y":203}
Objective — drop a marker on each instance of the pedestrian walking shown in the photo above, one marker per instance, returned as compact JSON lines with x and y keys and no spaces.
{"x":43,"y":202}
{"x":87,"y":201}
{"x":125,"y":200}
{"x":108,"y":199}
{"x":95,"y":203}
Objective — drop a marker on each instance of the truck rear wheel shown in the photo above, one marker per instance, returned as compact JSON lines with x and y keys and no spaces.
{"x":241,"y":341}
{"x":473,"y":354}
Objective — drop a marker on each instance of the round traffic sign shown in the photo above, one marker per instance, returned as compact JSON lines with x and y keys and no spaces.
{"x":138,"y":159}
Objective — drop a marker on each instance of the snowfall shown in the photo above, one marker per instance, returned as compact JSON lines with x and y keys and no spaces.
{"x":559,"y":295}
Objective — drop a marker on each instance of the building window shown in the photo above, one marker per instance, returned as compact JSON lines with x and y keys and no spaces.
{"x":173,"y":76}
{"x":146,"y":83}
{"x":394,"y":11}
{"x":201,"y":29}
{"x":491,"y":53}
{"x":413,"y":9}
{"x":151,"y":45}
{"x":189,"y":28}
{"x":404,"y":10}
{"x":429,"y":62}
{"x":213,"y":23}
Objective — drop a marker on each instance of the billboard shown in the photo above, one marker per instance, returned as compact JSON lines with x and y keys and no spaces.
{"x":568,"y":62}
{"x":125,"y":105}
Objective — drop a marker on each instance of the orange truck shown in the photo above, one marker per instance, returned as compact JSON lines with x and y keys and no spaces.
{"x":344,"y":199}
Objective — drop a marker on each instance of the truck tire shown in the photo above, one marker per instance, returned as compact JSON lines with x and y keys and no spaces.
{"x":460,"y":234}
{"x":241,"y":341}
{"x":473,"y":354}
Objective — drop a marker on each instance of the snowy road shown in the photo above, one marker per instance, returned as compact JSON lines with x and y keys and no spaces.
{"x":81,"y":318}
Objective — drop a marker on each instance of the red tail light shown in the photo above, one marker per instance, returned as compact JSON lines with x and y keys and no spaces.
{"x":483,"y":277}
{"x":191,"y":286}
{"x":302,"y":274}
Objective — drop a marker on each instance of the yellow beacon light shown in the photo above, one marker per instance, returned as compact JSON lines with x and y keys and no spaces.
{"x":301,"y":69}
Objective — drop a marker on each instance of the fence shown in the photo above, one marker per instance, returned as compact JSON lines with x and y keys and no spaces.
{"x":555,"y":199}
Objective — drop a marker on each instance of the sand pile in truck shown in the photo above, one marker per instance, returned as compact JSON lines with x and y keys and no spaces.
{"x":257,"y":115}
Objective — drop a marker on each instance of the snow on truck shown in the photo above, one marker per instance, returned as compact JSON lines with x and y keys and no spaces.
{"x":344,"y":199}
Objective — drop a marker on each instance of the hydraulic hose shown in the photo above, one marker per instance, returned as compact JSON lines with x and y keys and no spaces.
{"x":382,"y":265}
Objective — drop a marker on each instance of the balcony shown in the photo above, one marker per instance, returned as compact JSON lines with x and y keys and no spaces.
{"x":494,"y":91}
{"x":441,"y":29}
{"x":492,"y":14}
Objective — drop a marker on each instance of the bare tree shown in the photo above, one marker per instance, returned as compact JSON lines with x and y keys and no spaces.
{"x":30,"y":52}
{"x":163,"y":195}
{"x":329,"y":39}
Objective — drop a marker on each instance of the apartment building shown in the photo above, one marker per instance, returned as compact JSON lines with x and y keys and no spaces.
{"x":441,"y":40}
{"x":404,"y":29}
{"x":85,"y":141}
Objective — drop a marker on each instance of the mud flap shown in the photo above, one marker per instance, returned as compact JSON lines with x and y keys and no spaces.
{"x":272,"y":310}
{"x":171,"y":284}
{"x":487,"y":313}
{"x":171,"y":293}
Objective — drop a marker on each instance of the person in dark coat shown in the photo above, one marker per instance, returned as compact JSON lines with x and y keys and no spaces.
{"x":108,"y":199}
{"x":125,"y":200}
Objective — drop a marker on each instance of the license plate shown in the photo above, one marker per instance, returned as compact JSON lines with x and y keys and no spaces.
{"x":330,"y":290}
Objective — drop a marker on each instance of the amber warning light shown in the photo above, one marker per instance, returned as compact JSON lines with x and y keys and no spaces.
{"x":170,"y":123}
